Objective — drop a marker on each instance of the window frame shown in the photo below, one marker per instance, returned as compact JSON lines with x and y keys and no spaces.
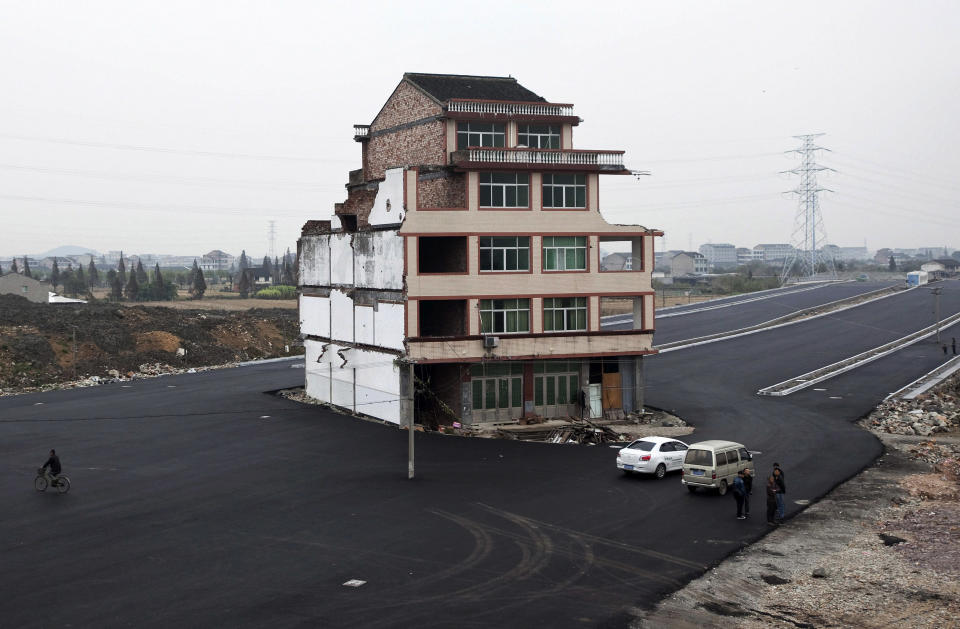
{"x":503,"y":251}
{"x":482,"y":133}
{"x":563,"y":187}
{"x":504,"y":187}
{"x":501,"y":315}
{"x":544,"y":257}
{"x":554,"y":308}
{"x":540,"y":136}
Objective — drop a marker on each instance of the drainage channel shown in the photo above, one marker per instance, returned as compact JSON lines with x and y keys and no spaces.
{"x":825,"y":373}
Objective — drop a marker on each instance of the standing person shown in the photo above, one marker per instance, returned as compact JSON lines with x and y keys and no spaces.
{"x":739,"y":491}
{"x":748,"y":487}
{"x":781,"y":490}
{"x":771,"y":500}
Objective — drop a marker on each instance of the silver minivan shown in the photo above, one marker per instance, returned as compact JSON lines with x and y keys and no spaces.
{"x":714,"y":464}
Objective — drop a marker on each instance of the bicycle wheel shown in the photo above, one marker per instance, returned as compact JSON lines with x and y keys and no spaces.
{"x":63,"y":484}
{"x":40,"y":483}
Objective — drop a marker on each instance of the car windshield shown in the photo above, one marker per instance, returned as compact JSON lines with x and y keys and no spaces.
{"x":699,"y":457}
{"x":646,"y":446}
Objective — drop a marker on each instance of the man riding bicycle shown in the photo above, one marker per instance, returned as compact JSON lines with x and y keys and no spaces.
{"x":54,"y":464}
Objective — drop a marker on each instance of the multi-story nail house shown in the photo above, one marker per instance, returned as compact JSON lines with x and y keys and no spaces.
{"x":469,"y":245}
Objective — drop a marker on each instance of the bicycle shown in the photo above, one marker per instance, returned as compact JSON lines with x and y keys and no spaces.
{"x":43,"y":480}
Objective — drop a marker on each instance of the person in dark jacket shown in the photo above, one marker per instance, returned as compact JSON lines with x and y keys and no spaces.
{"x":739,"y":491}
{"x":781,"y":490}
{"x":748,"y":486}
{"x":771,"y":500}
{"x":54,"y":464}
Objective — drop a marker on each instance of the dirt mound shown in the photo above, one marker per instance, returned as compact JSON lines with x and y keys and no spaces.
{"x":37,"y":344}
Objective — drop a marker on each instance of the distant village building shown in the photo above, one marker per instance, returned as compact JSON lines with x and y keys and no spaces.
{"x":746,"y":255}
{"x":776,"y":252}
{"x":688,"y":263}
{"x":18,"y":284}
{"x":216,"y":260}
{"x":719,"y":255}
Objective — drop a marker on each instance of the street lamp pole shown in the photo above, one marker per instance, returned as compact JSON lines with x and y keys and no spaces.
{"x":936,"y":308}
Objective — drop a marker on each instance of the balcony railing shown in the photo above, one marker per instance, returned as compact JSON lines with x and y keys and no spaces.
{"x":509,"y":109}
{"x":361,"y":131}
{"x":538,"y":157}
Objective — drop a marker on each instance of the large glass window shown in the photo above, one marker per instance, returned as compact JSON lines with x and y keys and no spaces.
{"x":564,"y":191}
{"x":504,"y":253}
{"x":564,"y":253}
{"x":480,"y":134}
{"x":561,"y":314}
{"x":504,"y":190}
{"x":504,"y":316}
{"x":539,"y":136}
{"x":556,"y":382}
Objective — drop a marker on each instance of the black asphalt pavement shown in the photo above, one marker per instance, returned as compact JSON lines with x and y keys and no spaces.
{"x":199,"y":500}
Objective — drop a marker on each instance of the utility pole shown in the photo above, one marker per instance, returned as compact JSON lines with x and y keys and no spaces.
{"x":75,"y":351}
{"x":936,"y":308}
{"x":808,"y":222}
{"x":272,"y":238}
{"x":411,"y":393}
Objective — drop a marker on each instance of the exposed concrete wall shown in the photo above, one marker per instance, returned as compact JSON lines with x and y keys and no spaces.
{"x":541,"y":347}
{"x":388,"y":207}
{"x":18,"y":284}
{"x":372,"y":259}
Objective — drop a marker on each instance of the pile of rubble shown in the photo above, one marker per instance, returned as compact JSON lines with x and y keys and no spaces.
{"x":925,"y":415}
{"x":45,"y":347}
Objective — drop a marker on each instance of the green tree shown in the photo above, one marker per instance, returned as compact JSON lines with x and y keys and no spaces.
{"x":55,"y":275}
{"x":267,"y":267}
{"x":244,"y":264}
{"x":132,"y":290}
{"x":93,"y":276}
{"x":122,"y":270}
{"x":244,"y":284}
{"x":288,"y":278}
{"x":142,"y":278}
{"x":892,"y":265}
{"x":198,"y":285}
{"x":13,"y":266}
{"x":116,"y":286}
{"x":26,"y":267}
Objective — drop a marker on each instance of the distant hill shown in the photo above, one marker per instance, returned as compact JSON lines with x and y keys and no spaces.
{"x":67,"y":250}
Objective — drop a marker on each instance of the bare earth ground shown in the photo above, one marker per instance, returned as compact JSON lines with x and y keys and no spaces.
{"x":882,"y":550}
{"x":212,"y":300}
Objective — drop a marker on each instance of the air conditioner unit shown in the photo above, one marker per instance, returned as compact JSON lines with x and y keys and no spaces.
{"x":489,"y":342}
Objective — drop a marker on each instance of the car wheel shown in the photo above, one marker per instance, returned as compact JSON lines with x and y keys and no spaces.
{"x":661,"y":471}
{"x":722,"y":490}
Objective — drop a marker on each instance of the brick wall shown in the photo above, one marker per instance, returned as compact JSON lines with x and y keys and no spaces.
{"x":414,"y":146}
{"x":445,"y":192}
{"x":359,"y":203}
{"x":406,"y":104}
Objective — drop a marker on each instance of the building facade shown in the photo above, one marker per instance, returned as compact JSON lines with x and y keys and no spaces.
{"x":775,"y":252}
{"x":688,"y":263}
{"x":719,"y":255}
{"x":468,"y":254}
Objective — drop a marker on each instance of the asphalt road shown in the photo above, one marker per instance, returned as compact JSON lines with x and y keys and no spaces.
{"x":198,"y":500}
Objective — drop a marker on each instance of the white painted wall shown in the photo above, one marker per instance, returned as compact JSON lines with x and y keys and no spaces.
{"x":315,"y":315}
{"x":315,"y":260}
{"x":388,"y":206}
{"x":368,"y":383}
{"x":388,"y":325}
{"x":363,"y":324}
{"x":341,"y":316}
{"x":378,"y":260}
{"x":341,"y":259}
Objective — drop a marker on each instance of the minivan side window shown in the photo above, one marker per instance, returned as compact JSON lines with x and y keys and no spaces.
{"x":721,"y":458}
{"x":732,"y":457}
{"x":744,"y":454}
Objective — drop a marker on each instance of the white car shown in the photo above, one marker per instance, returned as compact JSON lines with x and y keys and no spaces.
{"x":652,"y":455}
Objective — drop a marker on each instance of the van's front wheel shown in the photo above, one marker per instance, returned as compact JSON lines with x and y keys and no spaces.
{"x":722,"y":490}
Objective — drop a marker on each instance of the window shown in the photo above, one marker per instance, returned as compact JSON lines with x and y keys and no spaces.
{"x":497,"y":385}
{"x":721,"y":458}
{"x":667,"y":447}
{"x":480,"y":134}
{"x":557,"y":383}
{"x":561,"y":191}
{"x":679,"y":447}
{"x":564,"y":313}
{"x":564,"y":253}
{"x":699,"y":457}
{"x":646,"y":446}
{"x":504,"y":253}
{"x":504,"y":316}
{"x":504,"y":190}
{"x":539,"y":136}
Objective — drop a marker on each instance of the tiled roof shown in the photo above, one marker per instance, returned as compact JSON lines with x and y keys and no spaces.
{"x":443,"y":87}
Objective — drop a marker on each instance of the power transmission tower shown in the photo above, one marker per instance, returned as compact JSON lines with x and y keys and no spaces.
{"x":809,"y":235}
{"x":272,"y":236}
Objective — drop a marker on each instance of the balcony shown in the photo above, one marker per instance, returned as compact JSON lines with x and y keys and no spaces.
{"x":508,"y":108}
{"x":538,"y":159}
{"x":361,"y":132}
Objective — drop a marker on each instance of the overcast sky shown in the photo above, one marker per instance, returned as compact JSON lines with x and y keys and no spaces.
{"x":180,"y":127}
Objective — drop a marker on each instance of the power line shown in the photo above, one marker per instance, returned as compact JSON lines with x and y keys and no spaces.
{"x":175,"y":151}
{"x":151,"y":207}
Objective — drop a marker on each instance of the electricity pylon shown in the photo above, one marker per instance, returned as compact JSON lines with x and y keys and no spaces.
{"x":809,"y":234}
